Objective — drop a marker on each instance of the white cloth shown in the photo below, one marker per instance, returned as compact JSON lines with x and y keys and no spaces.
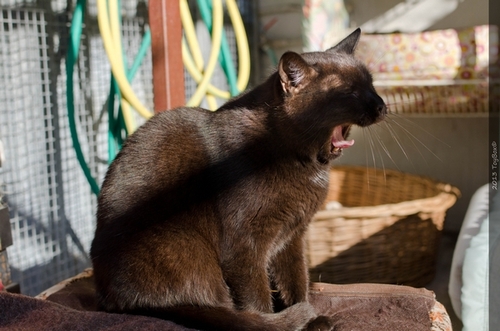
{"x":475,"y":289}
{"x":477,"y":212}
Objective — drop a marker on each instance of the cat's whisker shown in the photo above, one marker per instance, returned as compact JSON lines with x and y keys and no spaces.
{"x":386,"y":150}
{"x":416,"y":147}
{"x":394,"y":136}
{"x":379,"y":153}
{"x":412,"y":123}
{"x":411,"y":135}
{"x":370,"y":141}
{"x":401,"y":102}
{"x":366,"y":158}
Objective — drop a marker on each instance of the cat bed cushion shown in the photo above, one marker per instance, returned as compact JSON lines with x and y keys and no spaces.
{"x":71,"y":305}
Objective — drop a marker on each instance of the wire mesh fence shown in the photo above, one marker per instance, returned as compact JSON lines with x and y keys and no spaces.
{"x":52,"y":208}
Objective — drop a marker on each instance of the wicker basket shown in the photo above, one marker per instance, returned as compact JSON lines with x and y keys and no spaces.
{"x":386,"y":230}
{"x":453,"y":99}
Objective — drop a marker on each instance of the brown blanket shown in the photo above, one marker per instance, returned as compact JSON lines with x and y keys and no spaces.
{"x":351,"y":307}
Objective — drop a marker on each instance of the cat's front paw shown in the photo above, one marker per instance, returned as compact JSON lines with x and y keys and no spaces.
{"x":320,"y":323}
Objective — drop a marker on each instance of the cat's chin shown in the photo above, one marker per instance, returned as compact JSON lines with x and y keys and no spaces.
{"x":326,"y":155}
{"x":336,"y":152}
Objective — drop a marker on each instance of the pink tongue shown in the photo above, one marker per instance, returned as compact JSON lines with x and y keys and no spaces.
{"x":338,"y":139}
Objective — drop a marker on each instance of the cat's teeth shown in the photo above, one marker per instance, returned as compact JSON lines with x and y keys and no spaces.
{"x":336,"y":149}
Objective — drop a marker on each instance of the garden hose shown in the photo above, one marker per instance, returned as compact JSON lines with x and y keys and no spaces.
{"x":115,"y":57}
{"x":203,"y":87}
{"x":190,"y":34}
{"x":115,"y":25}
{"x":218,"y":18}
{"x":74,"y":46}
{"x":116,"y":122}
{"x":241,"y":44}
{"x":114,"y":127}
{"x":121,"y":122}
{"x":243,"y":54}
{"x":197,"y":75}
{"x":194,"y":46}
{"x":225,"y":58}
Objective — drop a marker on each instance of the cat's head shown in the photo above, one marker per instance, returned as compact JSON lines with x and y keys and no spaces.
{"x":332,"y":89}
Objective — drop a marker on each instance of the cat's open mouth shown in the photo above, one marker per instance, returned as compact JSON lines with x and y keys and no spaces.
{"x":338,"y":140}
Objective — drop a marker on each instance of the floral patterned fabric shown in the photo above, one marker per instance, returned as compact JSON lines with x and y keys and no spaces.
{"x":443,"y":71}
{"x":432,"y":55}
{"x":440,"y":319}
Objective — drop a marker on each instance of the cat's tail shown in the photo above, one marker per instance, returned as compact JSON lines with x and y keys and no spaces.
{"x":293,"y":318}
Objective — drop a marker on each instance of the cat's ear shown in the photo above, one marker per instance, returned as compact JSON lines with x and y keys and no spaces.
{"x":348,"y":44}
{"x":294,"y":72}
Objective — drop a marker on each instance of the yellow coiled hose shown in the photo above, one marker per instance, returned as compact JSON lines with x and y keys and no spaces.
{"x":109,"y":26}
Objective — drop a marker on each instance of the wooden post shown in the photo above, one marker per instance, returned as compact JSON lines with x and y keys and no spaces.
{"x":166,"y":37}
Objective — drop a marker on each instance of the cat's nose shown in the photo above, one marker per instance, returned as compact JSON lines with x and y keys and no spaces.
{"x":381,"y":112}
{"x":382,"y":109}
{"x":379,"y":104}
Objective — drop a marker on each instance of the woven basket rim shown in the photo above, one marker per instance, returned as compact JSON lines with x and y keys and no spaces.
{"x":442,"y":201}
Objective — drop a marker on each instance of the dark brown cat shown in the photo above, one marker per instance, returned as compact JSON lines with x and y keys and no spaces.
{"x":203,"y":214}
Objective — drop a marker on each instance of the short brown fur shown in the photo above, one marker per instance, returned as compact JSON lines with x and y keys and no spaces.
{"x":203,"y":213}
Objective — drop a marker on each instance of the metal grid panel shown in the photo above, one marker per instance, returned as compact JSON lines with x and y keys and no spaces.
{"x":27,"y":129}
{"x":51,"y":205}
{"x":52,"y":208}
